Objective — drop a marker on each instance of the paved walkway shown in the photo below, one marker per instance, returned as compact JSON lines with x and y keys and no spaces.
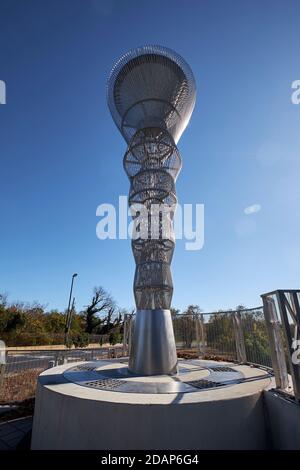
{"x":12,"y":433}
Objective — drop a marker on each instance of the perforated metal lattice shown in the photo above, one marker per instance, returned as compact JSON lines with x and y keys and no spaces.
{"x":100,"y":377}
{"x":222,"y":369}
{"x":151,"y":85}
{"x":152,"y":164}
{"x":105,"y":384}
{"x":151,"y":95}
{"x":204,"y":383}
{"x":82,"y":367}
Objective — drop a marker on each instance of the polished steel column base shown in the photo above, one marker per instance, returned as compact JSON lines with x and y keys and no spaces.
{"x":153,"y":349}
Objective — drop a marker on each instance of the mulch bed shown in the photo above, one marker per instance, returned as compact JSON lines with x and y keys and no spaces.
{"x":19,"y":386}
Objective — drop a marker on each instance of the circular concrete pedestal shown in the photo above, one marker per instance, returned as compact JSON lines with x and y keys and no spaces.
{"x":100,"y":405}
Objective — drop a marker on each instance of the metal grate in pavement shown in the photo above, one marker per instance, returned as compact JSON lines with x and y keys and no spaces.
{"x":204,"y":383}
{"x":105,"y":384}
{"x":81,"y":367}
{"x":221,"y":369}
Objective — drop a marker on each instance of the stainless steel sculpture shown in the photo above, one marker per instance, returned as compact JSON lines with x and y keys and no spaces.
{"x":151,"y":96}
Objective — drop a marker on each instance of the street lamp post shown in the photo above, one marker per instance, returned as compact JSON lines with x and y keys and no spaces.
{"x":68,"y":320}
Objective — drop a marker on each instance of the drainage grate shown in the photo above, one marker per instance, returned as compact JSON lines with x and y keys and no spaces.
{"x":105,"y":384}
{"x":204,"y":383}
{"x":221,"y":369}
{"x":82,"y":367}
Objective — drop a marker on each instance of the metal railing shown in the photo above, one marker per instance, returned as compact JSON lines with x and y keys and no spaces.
{"x":267,"y":336}
{"x":282,"y":312}
{"x":239,"y":335}
{"x":22,"y":367}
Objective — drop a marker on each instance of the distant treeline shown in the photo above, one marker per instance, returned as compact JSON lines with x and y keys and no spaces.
{"x":102,"y":320}
{"x":24,"y":324}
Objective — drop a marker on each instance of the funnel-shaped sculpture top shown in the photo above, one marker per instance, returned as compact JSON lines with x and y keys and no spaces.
{"x":151,"y":86}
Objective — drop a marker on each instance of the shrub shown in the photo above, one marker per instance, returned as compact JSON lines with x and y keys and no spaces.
{"x":80,"y":340}
{"x":115,"y":337}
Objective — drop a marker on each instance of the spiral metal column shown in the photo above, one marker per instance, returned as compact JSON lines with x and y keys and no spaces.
{"x":151,"y":95}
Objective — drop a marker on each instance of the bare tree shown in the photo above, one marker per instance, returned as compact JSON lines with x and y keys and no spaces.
{"x":174,"y":311}
{"x":120,"y":315}
{"x":193,"y":310}
{"x":240,"y":307}
{"x":3,"y":299}
{"x":188,"y":324}
{"x":102,"y":302}
{"x":109,"y":317}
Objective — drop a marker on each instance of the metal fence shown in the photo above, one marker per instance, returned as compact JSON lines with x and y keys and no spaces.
{"x":229,"y":335}
{"x":282,"y":313}
{"x":19,"y":374}
{"x":267,"y":336}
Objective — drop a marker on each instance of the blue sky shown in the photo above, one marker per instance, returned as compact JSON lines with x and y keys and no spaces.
{"x":61,"y":154}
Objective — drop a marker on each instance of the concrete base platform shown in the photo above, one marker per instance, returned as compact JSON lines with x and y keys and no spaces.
{"x":100,"y":405}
